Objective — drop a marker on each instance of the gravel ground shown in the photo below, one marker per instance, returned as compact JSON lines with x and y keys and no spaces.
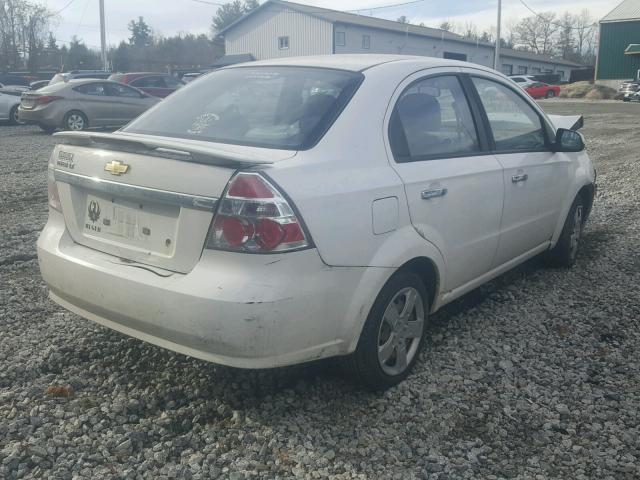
{"x":533,"y":376}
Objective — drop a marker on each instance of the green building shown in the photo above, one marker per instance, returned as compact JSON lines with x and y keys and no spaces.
{"x":619,"y":46}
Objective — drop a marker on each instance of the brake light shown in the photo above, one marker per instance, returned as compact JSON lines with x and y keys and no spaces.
{"x":52,"y":188}
{"x":46,"y":99}
{"x":254,"y":216}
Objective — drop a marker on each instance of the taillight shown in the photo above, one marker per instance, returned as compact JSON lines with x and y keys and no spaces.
{"x":45,"y":99}
{"x":254,"y":216}
{"x":52,"y":188}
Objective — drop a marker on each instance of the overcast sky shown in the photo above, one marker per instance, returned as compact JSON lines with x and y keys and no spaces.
{"x":168,"y":17}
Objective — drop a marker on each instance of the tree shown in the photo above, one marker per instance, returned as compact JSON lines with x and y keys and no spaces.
{"x":402,"y":19}
{"x":566,"y":44}
{"x":141,"y":35}
{"x":447,"y":26}
{"x":536,"y":33}
{"x":230,"y":12}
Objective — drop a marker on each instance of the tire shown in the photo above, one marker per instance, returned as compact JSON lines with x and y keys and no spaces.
{"x":13,"y":116}
{"x":75,"y":121}
{"x":564,"y":254}
{"x":391,"y":333}
{"x":551,"y":94}
{"x":47,"y":128}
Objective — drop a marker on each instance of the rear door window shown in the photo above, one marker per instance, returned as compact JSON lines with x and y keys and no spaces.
{"x":432,"y":119}
{"x":516,"y":126}
{"x":116,"y":90}
{"x":273,"y":107}
{"x":94,"y":89}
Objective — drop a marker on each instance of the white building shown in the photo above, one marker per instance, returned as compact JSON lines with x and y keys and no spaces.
{"x":284,"y":29}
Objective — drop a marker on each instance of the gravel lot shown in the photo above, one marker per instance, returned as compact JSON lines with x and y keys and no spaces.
{"x":534,"y":376}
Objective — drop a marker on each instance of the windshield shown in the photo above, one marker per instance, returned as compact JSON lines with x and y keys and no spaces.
{"x":275,"y":107}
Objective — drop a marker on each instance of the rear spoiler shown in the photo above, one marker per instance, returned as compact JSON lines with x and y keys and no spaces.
{"x":569,"y":122}
{"x":186,"y":150}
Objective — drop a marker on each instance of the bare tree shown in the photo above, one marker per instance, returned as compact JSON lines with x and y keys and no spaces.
{"x":536,"y":33}
{"x":566,"y":38}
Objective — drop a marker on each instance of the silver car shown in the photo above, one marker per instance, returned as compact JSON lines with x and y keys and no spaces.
{"x":9,"y":102}
{"x":81,"y":104}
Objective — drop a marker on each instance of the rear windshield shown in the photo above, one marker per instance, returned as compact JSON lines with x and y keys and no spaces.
{"x":275,"y":107}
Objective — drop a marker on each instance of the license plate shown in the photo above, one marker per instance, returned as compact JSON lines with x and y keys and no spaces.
{"x":147,"y":226}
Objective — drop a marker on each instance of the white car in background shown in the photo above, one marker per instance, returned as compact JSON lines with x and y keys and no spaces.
{"x":523,"y":81}
{"x":9,"y":103}
{"x":283,"y":211}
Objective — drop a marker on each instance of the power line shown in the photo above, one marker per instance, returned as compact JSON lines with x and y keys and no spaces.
{"x":554,"y":23}
{"x":64,"y":8}
{"x":401,"y":4}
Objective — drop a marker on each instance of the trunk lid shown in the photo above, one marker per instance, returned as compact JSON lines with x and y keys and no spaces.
{"x":147,"y":200}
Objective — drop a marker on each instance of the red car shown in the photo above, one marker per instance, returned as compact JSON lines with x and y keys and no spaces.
{"x":542,"y":90}
{"x":156,"y":84}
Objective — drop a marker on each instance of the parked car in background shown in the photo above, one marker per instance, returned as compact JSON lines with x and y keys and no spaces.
{"x":38,"y":84}
{"x":310,"y":207}
{"x":188,"y":77}
{"x":523,"y":80}
{"x":629,"y":89}
{"x":81,"y":104}
{"x":79,"y":74}
{"x":156,"y":84}
{"x":542,"y":90}
{"x":9,"y":80}
{"x":9,"y":103}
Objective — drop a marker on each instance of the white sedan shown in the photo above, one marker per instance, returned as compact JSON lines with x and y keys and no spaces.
{"x":9,"y":103}
{"x":283,"y":211}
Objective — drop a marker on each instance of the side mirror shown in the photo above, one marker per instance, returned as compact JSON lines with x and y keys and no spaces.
{"x":568,"y":141}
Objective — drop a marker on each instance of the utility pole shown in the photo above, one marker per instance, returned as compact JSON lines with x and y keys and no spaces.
{"x":496,"y":56}
{"x":103,"y":38}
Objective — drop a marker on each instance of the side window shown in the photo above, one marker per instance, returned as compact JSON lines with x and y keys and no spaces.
{"x":283,"y":43}
{"x":341,"y":39}
{"x":116,"y":90}
{"x":148,"y":82}
{"x":515,"y":124}
{"x":432,"y":119}
{"x":172,"y":82}
{"x":95,"y":89}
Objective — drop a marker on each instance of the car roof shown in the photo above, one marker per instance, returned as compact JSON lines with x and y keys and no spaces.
{"x":355,"y":63}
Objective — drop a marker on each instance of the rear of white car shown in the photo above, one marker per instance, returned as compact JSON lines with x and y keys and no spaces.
{"x":192,"y":245}
{"x":268,"y":214}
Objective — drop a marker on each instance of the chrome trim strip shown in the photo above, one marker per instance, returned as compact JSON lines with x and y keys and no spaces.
{"x":196,"y":202}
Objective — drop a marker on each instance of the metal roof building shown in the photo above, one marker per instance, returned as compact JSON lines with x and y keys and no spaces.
{"x":281,"y":29}
{"x":619,"y":46}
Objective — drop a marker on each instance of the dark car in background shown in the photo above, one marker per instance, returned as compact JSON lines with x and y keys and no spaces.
{"x":8,"y":80}
{"x":38,"y":84}
{"x":156,"y":84}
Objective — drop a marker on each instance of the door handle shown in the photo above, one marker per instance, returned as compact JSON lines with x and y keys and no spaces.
{"x":519,"y":178}
{"x":436,"y":192}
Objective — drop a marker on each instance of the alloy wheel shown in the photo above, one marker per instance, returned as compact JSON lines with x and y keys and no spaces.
{"x":75,"y":121}
{"x":400,"y":331}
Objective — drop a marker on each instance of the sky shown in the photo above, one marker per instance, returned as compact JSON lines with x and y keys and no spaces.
{"x":169,"y":17}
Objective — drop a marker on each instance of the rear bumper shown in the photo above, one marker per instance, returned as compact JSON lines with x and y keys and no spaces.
{"x":246,"y":311}
{"x":43,"y":116}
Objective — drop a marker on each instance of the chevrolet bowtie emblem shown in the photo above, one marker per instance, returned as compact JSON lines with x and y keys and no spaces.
{"x":116,"y":168}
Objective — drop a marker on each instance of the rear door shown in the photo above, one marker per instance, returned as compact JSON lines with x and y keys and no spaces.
{"x":454,"y":187}
{"x":127,"y":101}
{"x":535,"y":178}
{"x":95,"y":103}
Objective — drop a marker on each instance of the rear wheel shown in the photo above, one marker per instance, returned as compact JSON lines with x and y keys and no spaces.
{"x":75,"y":121}
{"x":565,"y":252}
{"x":14,"y":119}
{"x":393,"y":334}
{"x":551,"y":94}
